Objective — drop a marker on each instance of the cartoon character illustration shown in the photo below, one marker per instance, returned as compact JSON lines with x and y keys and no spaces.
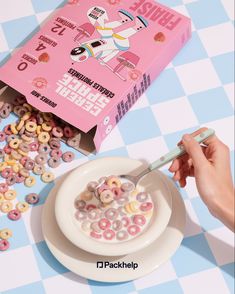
{"x":111,"y":43}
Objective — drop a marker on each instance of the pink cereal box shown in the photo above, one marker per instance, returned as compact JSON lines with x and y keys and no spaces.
{"x":94,"y":59}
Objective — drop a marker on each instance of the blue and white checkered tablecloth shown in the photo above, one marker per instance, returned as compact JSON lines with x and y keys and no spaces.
{"x":201,"y":93}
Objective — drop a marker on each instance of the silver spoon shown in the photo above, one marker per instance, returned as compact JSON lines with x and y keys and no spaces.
{"x":175,"y":153}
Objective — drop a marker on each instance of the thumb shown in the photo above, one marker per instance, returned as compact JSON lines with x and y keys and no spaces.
{"x":194,"y":150}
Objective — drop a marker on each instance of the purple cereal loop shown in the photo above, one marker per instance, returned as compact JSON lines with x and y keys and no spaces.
{"x":54,"y":143}
{"x":94,"y":214}
{"x":68,"y":156}
{"x":117,"y":225}
{"x":32,"y":198}
{"x":38,"y":169}
{"x":142,"y":197}
{"x":80,"y":215}
{"x":41,"y":159}
{"x":11,"y":180}
{"x":91,"y":186}
{"x":80,"y":204}
{"x":44,"y":149}
{"x":127,"y":187}
{"x":29,"y":164}
{"x":54,"y":162}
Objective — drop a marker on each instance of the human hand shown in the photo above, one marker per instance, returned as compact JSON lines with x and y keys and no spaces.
{"x":210,"y":165}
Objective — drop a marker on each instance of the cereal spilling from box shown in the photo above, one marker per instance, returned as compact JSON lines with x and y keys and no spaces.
{"x":93,"y":60}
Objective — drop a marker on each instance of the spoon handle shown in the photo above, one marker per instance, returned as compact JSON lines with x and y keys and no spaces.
{"x":178,"y":151}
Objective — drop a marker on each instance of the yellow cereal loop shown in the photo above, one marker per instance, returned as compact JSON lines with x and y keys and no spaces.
{"x":24,"y":172}
{"x":22,"y":152}
{"x":20,"y":125}
{"x":6,"y":206}
{"x":6,"y":158}
{"x":3,"y":165}
{"x":15,"y":155}
{"x":10,"y":195}
{"x":26,"y":116}
{"x":39,"y":129}
{"x":127,"y":208}
{"x":11,"y":162}
{"x":114,"y":182}
{"x":16,"y":168}
{"x":148,"y":213}
{"x":30,"y":181}
{"x":5,"y":234}
{"x":26,"y":138}
{"x":31,"y":126}
{"x":13,"y":129}
{"x":134,"y":193}
{"x":47,"y":116}
{"x":29,"y":107}
{"x":22,"y":206}
{"x":43,"y":137}
{"x":1,"y":198}
{"x":14,"y":144}
{"x":46,"y":127}
{"x":47,"y":177}
{"x":134,"y":206}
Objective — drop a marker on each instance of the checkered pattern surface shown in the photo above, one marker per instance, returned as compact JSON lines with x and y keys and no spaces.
{"x":200,"y":93}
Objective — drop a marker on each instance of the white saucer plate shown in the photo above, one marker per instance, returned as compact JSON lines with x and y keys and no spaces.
{"x":84,"y":263}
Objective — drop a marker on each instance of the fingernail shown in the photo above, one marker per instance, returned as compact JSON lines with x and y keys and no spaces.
{"x":187,"y":138}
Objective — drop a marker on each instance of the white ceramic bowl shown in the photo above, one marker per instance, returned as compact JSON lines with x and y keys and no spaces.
{"x":76,"y":182}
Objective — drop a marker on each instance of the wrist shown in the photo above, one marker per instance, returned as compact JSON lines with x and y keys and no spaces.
{"x":223,"y":209}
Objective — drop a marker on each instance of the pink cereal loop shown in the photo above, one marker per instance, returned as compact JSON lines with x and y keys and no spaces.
{"x":95,"y":235}
{"x":104,"y":223}
{"x":109,"y":235}
{"x":133,"y":230}
{"x":125,"y":221}
{"x":139,"y":219}
{"x":146,"y":206}
{"x":4,"y":245}
{"x":14,"y":215}
{"x":3,"y":187}
{"x":34,"y":146}
{"x":117,"y":193}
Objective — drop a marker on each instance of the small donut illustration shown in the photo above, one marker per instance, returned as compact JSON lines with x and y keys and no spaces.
{"x":73,"y":2}
{"x":40,"y":83}
{"x":113,"y":2}
{"x":134,"y":74}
